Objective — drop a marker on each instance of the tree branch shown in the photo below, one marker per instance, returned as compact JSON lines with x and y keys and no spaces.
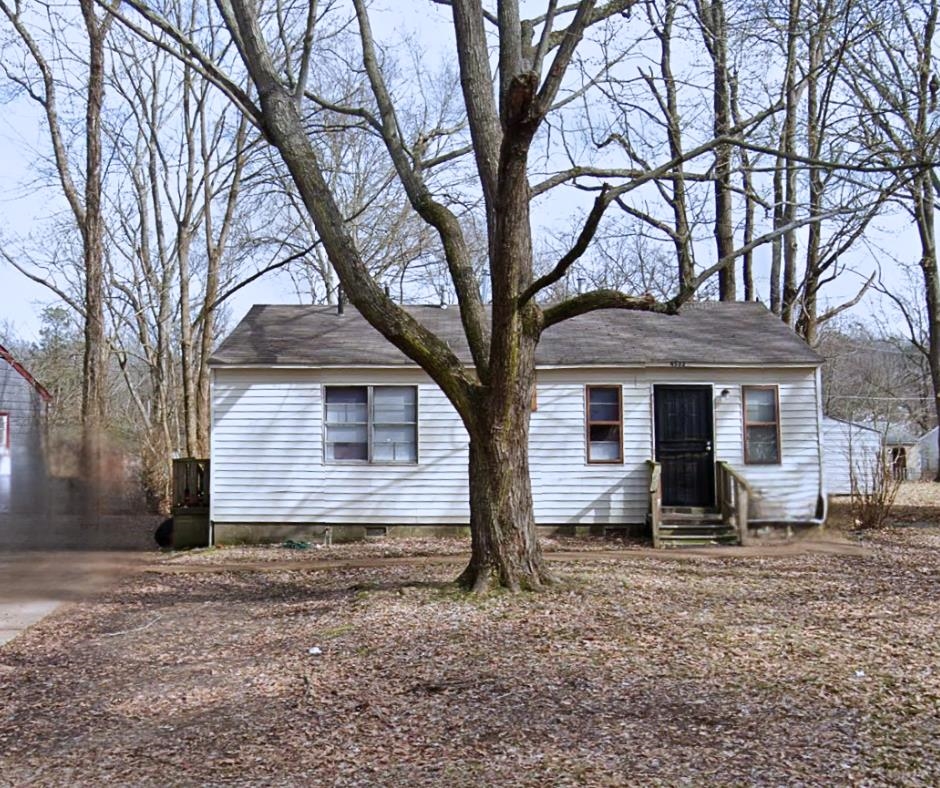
{"x":191,"y":55}
{"x":284,"y":126}
{"x":456,"y":251}
{"x":584,"y":239}
{"x":601,"y":299}
{"x":49,"y":285}
{"x":838,"y":310}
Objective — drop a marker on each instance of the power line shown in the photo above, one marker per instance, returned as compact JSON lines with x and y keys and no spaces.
{"x":925,"y":398}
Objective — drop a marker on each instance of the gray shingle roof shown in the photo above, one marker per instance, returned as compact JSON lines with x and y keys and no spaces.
{"x":703,"y":333}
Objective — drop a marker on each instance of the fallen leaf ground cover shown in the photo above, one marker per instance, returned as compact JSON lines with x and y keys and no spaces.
{"x":812,"y":669}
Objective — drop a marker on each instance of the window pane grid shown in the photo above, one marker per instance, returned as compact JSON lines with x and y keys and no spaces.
{"x":371,"y":424}
{"x":604,"y":421}
{"x":761,"y":425}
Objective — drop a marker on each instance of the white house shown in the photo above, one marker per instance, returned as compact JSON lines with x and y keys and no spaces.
{"x":318,"y":420}
{"x":23,"y":403}
{"x":849,"y":449}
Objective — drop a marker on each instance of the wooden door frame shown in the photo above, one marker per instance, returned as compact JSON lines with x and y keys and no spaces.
{"x":710,"y":386}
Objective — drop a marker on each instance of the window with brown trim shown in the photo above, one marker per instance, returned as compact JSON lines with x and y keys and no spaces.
{"x":761,"y":425}
{"x":604,"y":425}
{"x":371,"y":424}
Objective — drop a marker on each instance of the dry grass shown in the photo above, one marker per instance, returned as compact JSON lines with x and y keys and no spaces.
{"x":796,"y":669}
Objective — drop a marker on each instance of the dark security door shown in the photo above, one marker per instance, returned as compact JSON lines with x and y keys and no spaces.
{"x":684,"y":444}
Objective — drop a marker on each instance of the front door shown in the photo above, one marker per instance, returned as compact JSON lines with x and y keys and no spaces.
{"x":684,"y":444}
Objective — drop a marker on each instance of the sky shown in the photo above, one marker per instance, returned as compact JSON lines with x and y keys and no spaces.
{"x":26,"y":203}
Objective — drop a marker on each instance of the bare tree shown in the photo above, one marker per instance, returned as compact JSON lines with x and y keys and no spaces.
{"x":179,"y":159}
{"x":81,"y":184}
{"x":505,"y":124}
{"x":894,"y":78}
{"x":714,"y":27}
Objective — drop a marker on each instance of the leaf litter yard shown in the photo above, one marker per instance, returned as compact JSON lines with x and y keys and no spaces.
{"x":792,"y":667}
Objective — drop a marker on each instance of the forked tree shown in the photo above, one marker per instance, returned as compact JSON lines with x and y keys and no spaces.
{"x":515,"y":82}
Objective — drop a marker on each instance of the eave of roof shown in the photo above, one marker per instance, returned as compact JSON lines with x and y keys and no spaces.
{"x":706,"y":334}
{"x":24,"y":373}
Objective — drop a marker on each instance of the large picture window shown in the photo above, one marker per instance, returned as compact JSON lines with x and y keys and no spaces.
{"x":761,"y":425}
{"x":604,"y":424}
{"x":377,"y":424}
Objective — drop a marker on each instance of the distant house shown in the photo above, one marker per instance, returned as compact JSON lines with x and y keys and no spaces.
{"x":851,"y":451}
{"x":23,"y":403}
{"x":902,"y":452}
{"x":318,"y":420}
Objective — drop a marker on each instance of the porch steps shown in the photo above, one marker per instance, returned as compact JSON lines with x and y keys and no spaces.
{"x":694,"y":527}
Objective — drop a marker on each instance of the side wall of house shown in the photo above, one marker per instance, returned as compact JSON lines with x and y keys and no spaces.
{"x":929,"y":455}
{"x":268,"y":467}
{"x":22,"y":470}
{"x":849,"y":449}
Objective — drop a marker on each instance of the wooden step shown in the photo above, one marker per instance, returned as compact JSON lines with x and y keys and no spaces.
{"x":700,"y":528}
{"x":696,"y":540}
{"x":681,"y":519}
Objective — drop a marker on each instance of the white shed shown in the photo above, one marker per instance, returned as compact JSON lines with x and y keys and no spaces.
{"x":929,"y":460}
{"x":902,"y":452}
{"x":849,"y":448}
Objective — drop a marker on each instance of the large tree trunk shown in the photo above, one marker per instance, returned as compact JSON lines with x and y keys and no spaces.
{"x":186,"y":346}
{"x":925,"y":218}
{"x":716,"y":41}
{"x":783,"y":261}
{"x":505,"y":548}
{"x":678,"y":199}
{"x":808,"y":323}
{"x":750,"y":203}
{"x":93,"y":367}
{"x":791,"y":169}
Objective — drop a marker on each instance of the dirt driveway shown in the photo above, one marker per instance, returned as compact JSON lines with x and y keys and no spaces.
{"x":792,"y":668}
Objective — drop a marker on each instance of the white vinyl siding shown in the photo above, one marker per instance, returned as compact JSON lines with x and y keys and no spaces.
{"x":267,"y":452}
{"x":849,"y":448}
{"x":22,"y":464}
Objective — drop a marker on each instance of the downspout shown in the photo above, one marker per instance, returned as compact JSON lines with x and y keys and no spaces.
{"x":211,"y":455}
{"x":824,"y":509}
{"x":823,"y":498}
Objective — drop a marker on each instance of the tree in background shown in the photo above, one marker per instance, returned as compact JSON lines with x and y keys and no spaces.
{"x":81,"y":180}
{"x":895,"y":82}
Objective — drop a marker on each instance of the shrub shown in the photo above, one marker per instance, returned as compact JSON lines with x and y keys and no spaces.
{"x":874,"y":489}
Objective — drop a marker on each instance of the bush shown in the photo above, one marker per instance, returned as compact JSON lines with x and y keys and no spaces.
{"x":874,"y":490}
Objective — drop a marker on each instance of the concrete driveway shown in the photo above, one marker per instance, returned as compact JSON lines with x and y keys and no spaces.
{"x":35,"y":583}
{"x":16,"y":616}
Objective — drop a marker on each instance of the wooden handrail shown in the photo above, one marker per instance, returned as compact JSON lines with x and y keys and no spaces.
{"x":734,"y":494}
{"x":656,"y":499}
{"x":190,"y":483}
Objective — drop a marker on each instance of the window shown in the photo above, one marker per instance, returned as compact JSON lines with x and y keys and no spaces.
{"x":4,"y":431}
{"x":376,"y":424}
{"x":761,"y":425}
{"x":604,"y":424}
